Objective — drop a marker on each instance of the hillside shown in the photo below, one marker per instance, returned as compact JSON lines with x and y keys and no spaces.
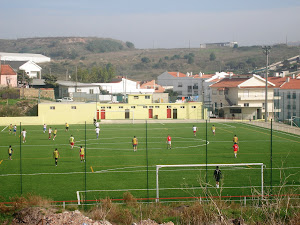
{"x":67,"y":53}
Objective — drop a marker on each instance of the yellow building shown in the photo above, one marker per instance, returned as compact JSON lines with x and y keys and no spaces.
{"x":139,"y":107}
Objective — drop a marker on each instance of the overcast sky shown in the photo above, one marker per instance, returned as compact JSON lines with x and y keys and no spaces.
{"x":155,"y":23}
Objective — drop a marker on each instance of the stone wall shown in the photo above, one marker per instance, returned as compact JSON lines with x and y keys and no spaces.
{"x":34,"y":93}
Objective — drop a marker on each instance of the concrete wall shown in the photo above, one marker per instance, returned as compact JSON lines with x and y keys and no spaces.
{"x":34,"y":93}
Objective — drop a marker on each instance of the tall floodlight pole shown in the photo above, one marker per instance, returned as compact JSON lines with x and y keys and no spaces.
{"x":266,"y":50}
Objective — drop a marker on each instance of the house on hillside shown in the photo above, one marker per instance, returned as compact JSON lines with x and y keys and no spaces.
{"x":122,"y":85}
{"x":242,"y":98}
{"x":30,"y":68}
{"x":152,"y":85}
{"x":8,"y":77}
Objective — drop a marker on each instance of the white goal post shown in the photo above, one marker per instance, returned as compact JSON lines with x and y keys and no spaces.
{"x":204,"y":165}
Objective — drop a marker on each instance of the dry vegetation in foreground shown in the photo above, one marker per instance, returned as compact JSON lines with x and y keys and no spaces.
{"x":277,"y":210}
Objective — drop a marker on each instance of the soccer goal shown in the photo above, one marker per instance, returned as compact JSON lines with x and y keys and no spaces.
{"x":229,"y":166}
{"x":107,"y":114}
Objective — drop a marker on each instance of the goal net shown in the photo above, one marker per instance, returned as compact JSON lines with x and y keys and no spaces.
{"x":193,"y":180}
{"x":295,"y":121}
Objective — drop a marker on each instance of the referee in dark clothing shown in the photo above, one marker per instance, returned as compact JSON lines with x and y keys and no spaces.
{"x":217,"y":176}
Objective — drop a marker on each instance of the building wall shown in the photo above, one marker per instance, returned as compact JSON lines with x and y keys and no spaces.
{"x":289,"y":104}
{"x":12,"y":80}
{"x":139,"y":99}
{"x":35,"y":93}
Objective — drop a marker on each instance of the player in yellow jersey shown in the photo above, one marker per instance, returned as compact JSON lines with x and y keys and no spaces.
{"x":235,"y":140}
{"x":56,"y":156}
{"x":67,"y":127}
{"x":54,"y":134}
{"x":81,"y":153}
{"x":10,"y":128}
{"x":213,"y":129}
{"x":10,"y":151}
{"x":72,"y":141}
{"x":134,"y":143}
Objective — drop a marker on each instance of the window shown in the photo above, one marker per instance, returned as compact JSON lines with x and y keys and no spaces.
{"x":182,"y":107}
{"x":221,"y":104}
{"x":78,"y":90}
{"x":288,"y":106}
{"x":294,"y":95}
{"x":73,"y":107}
{"x":195,"y":92}
{"x":120,"y":107}
{"x":214,"y":92}
{"x":150,"y":107}
{"x":145,"y":107}
{"x":226,"y":91}
{"x":102,"y":107}
{"x":288,"y":95}
{"x":246,"y":93}
{"x":221,"y":92}
{"x":91,"y":91}
{"x":216,"y":104}
{"x":246,"y":104}
{"x":263,"y":105}
{"x":136,"y":97}
{"x":133,"y":107}
{"x":235,"y":110}
{"x":179,"y":84}
{"x":189,"y":88}
{"x":52,"y":107}
{"x":193,"y":107}
{"x":168,"y":107}
{"x":147,"y":97}
{"x":157,"y":107}
{"x":195,"y":86}
{"x":108,"y":107}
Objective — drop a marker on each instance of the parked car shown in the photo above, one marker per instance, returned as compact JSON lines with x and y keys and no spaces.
{"x":65,"y":99}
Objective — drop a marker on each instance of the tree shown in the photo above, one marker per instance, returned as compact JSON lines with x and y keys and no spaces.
{"x":129,"y":45}
{"x":145,"y":60}
{"x":191,"y":60}
{"x":212,"y":57}
{"x":50,"y":81}
{"x":235,"y":46}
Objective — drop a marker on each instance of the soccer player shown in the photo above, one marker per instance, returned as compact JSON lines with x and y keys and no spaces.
{"x":72,"y":141}
{"x":169,"y":141}
{"x":54,"y":134}
{"x":24,"y":135}
{"x":50,"y":132}
{"x":44,"y":128}
{"x":194,"y":130}
{"x":15,"y":130}
{"x":97,"y":125}
{"x":213,"y":129}
{"x":217,"y":176}
{"x":10,"y":128}
{"x":81,"y":153}
{"x":235,"y":150}
{"x":67,"y":127}
{"x":56,"y":156}
{"x":10,"y":151}
{"x":97,"y":131}
{"x":134,"y":143}
{"x":235,"y":139}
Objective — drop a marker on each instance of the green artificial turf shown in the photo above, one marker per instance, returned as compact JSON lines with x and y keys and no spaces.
{"x":113,"y":167}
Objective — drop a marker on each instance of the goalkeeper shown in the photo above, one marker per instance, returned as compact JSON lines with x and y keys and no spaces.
{"x":217,"y":176}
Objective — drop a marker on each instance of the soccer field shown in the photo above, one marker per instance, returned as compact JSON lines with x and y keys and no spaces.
{"x":112,"y":167}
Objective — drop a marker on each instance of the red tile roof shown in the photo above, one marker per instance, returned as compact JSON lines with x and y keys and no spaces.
{"x":174,"y":74}
{"x":278,"y":81}
{"x":158,"y":88}
{"x":7,"y":70}
{"x":226,"y":82}
{"x":292,"y":84}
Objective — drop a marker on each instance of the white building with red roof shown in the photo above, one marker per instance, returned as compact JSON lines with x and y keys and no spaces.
{"x":242,"y":98}
{"x":8,"y":77}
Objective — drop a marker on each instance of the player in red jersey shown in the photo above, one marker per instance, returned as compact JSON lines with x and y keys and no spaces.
{"x":235,"y":149}
{"x":169,"y":141}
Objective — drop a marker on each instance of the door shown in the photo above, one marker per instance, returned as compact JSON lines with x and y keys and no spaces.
{"x":168,"y":113}
{"x":127,"y":113}
{"x":102,"y":114}
{"x":98,"y":114}
{"x":174,"y":113}
{"x":150,"y":113}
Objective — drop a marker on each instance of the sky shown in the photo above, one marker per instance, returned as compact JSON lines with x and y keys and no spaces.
{"x":155,"y":23}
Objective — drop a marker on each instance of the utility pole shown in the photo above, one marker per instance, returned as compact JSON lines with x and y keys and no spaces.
{"x":266,"y":50}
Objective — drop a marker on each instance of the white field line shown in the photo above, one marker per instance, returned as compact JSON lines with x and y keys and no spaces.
{"x":4,"y":128}
{"x":117,"y":170}
{"x":228,"y":125}
{"x":278,"y":131}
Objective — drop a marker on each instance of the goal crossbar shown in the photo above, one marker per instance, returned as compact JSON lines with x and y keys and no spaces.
{"x":209,"y":165}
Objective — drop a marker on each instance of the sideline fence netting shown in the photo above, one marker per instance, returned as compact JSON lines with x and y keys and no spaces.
{"x":112,"y":169}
